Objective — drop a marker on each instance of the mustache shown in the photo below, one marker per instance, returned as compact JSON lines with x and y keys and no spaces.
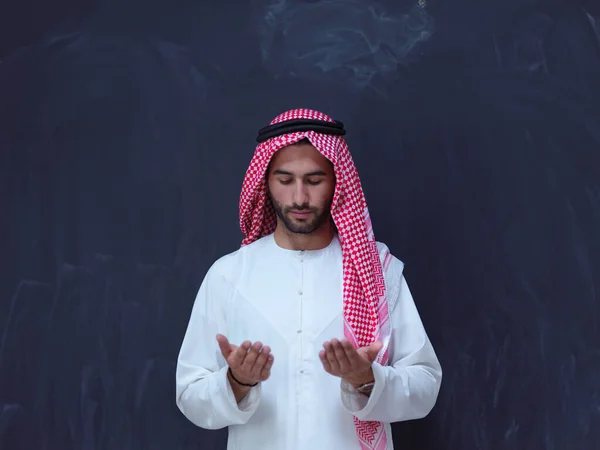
{"x":300,"y":208}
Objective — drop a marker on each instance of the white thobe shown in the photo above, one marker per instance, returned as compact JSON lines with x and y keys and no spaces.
{"x":292,"y":302}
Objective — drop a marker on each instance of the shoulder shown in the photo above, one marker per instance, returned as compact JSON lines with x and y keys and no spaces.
{"x":390,"y":263}
{"x":393,"y":269}
{"x":229,"y":266}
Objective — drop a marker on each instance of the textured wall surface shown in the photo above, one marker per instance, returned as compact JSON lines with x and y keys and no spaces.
{"x":125,"y":133}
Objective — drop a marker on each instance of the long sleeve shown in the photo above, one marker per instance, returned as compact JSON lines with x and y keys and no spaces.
{"x":406,"y":389}
{"x":203,"y":393}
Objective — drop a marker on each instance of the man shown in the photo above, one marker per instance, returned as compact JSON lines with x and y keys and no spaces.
{"x":306,"y":337}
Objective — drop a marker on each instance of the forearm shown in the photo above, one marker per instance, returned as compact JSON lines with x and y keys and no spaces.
{"x":203,"y":392}
{"x":210,"y":401}
{"x":360,"y":380}
{"x":399,"y":394}
{"x":407,"y":388}
{"x":239,"y":391}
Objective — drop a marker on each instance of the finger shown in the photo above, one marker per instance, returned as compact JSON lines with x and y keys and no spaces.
{"x":372,"y":350}
{"x":341,"y":357}
{"x":352,"y":355}
{"x":251,"y":357}
{"x":236,"y":358}
{"x":330,"y":355}
{"x":224,"y":345}
{"x":260,"y":361}
{"x":325,"y":361}
{"x":265,"y":373}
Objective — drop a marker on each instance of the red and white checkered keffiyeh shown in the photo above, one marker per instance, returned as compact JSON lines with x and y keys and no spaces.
{"x":366,"y":317}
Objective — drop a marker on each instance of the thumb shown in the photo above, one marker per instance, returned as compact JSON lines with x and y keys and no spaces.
{"x":224,"y":345}
{"x":372,"y":350}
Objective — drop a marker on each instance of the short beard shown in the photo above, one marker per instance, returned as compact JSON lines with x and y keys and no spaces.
{"x":320,"y":217}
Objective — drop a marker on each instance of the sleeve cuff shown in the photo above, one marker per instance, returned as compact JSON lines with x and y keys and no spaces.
{"x":243,"y":410}
{"x":359,"y":404}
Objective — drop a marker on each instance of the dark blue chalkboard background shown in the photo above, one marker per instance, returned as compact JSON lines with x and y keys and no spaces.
{"x":126,"y":129}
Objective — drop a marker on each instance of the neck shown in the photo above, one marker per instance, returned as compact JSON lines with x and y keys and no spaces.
{"x":318,"y":239}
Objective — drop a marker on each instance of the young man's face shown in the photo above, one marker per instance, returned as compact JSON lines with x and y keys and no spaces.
{"x":300,"y":184}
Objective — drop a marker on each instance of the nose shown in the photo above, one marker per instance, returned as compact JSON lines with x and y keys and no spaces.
{"x":300,"y":193}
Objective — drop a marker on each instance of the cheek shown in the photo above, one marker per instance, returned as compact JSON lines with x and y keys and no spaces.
{"x":278,"y":193}
{"x":323,"y":196}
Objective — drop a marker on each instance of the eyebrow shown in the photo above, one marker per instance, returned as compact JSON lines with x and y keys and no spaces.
{"x":310,"y":174}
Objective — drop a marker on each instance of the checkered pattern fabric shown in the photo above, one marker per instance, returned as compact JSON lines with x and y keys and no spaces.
{"x":366,"y":317}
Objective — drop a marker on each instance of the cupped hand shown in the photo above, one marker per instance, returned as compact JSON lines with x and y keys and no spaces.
{"x":250,"y":362}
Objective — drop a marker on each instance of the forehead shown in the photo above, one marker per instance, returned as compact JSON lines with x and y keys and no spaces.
{"x":301,"y":156}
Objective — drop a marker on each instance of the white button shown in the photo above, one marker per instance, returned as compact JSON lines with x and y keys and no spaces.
{"x":298,"y":331}
{"x":302,"y":371}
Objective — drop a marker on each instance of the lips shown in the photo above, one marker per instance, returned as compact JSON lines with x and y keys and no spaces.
{"x":301,"y":214}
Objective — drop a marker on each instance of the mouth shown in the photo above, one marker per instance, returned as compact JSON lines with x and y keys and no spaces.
{"x":301,"y":214}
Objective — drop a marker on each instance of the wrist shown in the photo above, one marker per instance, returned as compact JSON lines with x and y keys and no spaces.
{"x":360,"y":379}
{"x":241,"y":382}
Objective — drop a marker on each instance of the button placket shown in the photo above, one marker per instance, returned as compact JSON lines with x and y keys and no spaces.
{"x":301,"y":308}
{"x":300,"y":331}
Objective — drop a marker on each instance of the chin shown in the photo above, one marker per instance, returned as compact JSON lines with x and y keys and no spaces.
{"x":299,"y":227}
{"x":301,"y":230}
